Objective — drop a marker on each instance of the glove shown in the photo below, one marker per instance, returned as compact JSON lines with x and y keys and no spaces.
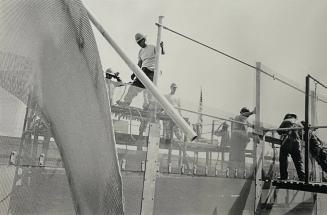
{"x":133,"y":76}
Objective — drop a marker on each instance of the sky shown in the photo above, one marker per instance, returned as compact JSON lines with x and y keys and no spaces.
{"x":286,"y":36}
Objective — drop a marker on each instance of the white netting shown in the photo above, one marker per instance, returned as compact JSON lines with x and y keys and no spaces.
{"x":48,"y":50}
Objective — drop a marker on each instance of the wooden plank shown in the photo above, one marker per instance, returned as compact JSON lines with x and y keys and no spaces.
{"x":151,"y":169}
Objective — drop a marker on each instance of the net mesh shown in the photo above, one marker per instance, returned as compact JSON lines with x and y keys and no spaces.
{"x":49,"y":55}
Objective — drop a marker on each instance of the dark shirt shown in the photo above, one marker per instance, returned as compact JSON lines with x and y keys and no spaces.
{"x":294,"y":134}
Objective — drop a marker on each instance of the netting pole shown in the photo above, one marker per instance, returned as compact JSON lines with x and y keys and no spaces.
{"x":152,"y":162}
{"x":257,"y":144}
{"x":156,"y":68}
{"x":306,"y":129}
{"x":315,"y":167}
{"x":151,"y":170}
{"x":313,"y":119}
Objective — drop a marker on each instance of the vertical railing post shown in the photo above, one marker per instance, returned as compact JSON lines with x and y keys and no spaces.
{"x":257,"y":145}
{"x":212,"y":130}
{"x":306,"y":128}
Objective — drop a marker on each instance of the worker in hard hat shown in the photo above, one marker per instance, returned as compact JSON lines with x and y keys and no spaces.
{"x":239,"y":140}
{"x":110,"y":76}
{"x":167,"y":125}
{"x":291,"y":144}
{"x":146,"y":61}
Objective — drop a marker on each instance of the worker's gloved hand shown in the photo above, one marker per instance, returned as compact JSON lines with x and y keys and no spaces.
{"x":162,"y":48}
{"x":133,"y":76}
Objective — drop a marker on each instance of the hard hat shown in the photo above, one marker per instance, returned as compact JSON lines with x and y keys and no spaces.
{"x":173,"y":85}
{"x":139,"y":37}
{"x":290,"y":116}
{"x":244,"y":110}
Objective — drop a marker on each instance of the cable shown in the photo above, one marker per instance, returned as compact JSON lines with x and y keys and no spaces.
{"x":240,"y":61}
{"x":318,"y":82}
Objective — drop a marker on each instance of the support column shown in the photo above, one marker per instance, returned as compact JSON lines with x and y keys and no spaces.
{"x":306,"y":129}
{"x":156,"y":68}
{"x":152,"y":162}
{"x":258,"y":145}
{"x":151,"y":170}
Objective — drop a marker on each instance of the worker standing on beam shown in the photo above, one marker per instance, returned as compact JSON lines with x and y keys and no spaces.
{"x":146,"y":61}
{"x":291,"y":144}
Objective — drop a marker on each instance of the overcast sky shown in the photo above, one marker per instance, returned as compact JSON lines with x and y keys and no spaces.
{"x":288,"y":37}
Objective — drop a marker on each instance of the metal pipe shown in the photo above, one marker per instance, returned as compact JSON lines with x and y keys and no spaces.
{"x":318,"y":82}
{"x":306,"y":129}
{"x":215,"y":117}
{"x":169,"y":109}
{"x":281,"y":129}
{"x":156,"y":68}
{"x":318,"y":126}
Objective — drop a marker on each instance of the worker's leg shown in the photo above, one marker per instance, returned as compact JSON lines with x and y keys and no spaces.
{"x":166,"y":129}
{"x":148,"y":98}
{"x":132,"y":92}
{"x":283,"y":163}
{"x":177,"y":132}
{"x":143,"y":126}
{"x":297,"y":159}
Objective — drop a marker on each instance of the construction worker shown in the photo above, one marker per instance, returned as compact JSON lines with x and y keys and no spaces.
{"x":239,"y":139}
{"x":317,"y":148}
{"x":175,"y":101}
{"x":146,"y":61}
{"x":222,"y":131}
{"x":291,"y":144}
{"x":110,"y":75}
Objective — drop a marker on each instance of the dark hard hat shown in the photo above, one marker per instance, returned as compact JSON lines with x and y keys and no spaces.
{"x":244,"y":110}
{"x":290,"y":116}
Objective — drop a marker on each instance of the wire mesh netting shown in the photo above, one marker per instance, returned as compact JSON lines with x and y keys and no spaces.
{"x":49,"y":55}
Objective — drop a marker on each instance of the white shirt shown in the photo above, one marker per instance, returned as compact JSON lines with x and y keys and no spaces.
{"x":148,"y":56}
{"x":174,"y":100}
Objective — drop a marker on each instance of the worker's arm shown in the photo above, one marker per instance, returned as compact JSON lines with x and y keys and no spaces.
{"x":162,"y":48}
{"x":139,"y":63}
{"x":179,"y":106}
{"x":285,"y":124}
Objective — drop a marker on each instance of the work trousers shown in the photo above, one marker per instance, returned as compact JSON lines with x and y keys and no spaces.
{"x":293,"y":148}
{"x":137,"y":87}
{"x":238,"y":143}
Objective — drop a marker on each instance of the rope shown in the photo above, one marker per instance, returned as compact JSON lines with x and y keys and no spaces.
{"x":240,"y":61}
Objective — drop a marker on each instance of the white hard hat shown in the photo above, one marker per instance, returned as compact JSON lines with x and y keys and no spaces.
{"x":139,"y":37}
{"x":173,"y":85}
